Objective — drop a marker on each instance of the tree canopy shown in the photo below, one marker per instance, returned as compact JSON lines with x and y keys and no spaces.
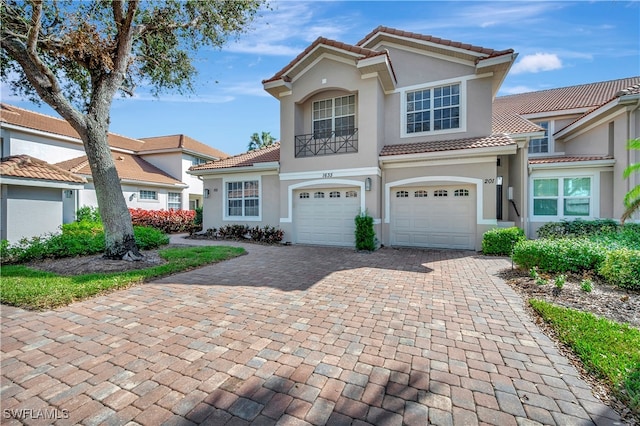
{"x":76,"y":55}
{"x":261,"y":140}
{"x":632,"y":198}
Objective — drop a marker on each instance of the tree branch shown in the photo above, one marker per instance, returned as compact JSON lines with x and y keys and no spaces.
{"x":34,"y":30}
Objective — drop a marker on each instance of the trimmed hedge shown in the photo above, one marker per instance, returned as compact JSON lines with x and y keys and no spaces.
{"x":580,"y":228}
{"x":169,"y":221}
{"x":622,"y":268}
{"x":559,"y":255}
{"x":266,"y":234}
{"x":500,"y":241}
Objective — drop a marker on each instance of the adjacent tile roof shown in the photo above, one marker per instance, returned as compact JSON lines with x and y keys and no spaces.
{"x":566,"y":98}
{"x":549,"y":160}
{"x":181,"y":142}
{"x":130,"y":167}
{"x":45,"y":123}
{"x":467,"y":143}
{"x":264,"y":155}
{"x":25,"y":166}
{"x":449,"y":43}
{"x":504,"y":120}
{"x":361,"y":51}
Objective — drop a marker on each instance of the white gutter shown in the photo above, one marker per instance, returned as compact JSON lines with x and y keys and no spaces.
{"x":572,"y":164}
{"x":455,"y":153}
{"x":258,"y":167}
{"x":9,"y":180}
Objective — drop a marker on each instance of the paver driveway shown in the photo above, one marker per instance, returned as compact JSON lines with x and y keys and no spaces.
{"x":297,"y":335}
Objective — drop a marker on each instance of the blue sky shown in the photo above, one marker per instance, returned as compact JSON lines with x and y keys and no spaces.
{"x":559,"y":44}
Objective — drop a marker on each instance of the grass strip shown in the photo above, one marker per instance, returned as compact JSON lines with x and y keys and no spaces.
{"x":30,"y":289}
{"x":608,"y":349}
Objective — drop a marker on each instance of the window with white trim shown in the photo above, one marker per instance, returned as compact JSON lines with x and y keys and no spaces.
{"x":318,"y":194}
{"x":351,"y":194}
{"x":420,"y":193}
{"x":195,"y":161}
{"x":174,"y":200}
{"x":334,"y":115}
{"x":562,"y":197}
{"x":147,"y":195}
{"x":243,"y":199}
{"x":461,"y":193}
{"x":440,"y":193}
{"x":304,"y":195}
{"x":432,"y":109}
{"x":334,"y":194}
{"x":402,"y":194}
{"x":540,"y":145}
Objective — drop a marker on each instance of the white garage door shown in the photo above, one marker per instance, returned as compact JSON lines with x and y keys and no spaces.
{"x":433,"y":216}
{"x":326,"y":216}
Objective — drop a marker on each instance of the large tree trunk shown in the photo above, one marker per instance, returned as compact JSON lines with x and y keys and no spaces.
{"x":119,"y":238}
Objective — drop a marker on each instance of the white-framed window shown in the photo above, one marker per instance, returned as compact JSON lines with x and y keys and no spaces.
{"x":461,"y":193}
{"x":148,"y":195}
{"x":541,"y":145}
{"x":195,"y":161}
{"x":242,"y":199}
{"x":432,"y":109}
{"x":334,"y":115}
{"x":318,"y":194}
{"x":563,"y":197}
{"x":351,"y":194}
{"x":334,"y":194}
{"x":304,"y":195}
{"x":174,"y":200}
{"x":402,"y":194}
{"x":420,"y":193}
{"x":440,"y":193}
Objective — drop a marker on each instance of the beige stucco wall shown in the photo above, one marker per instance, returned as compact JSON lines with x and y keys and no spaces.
{"x":213,"y":207}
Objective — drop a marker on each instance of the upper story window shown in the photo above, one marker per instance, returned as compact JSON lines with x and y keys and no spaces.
{"x":540,"y":145}
{"x":242,"y":199}
{"x":195,"y":161}
{"x":433,"y":109}
{"x":334,"y":115}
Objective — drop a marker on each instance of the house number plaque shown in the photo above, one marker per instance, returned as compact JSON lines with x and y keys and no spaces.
{"x":327,"y":175}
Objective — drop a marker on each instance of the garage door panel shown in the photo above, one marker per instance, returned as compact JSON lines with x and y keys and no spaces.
{"x":325,"y":221}
{"x":434,"y":221}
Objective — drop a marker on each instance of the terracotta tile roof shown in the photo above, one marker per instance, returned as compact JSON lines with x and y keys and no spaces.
{"x":444,"y":42}
{"x":550,"y":160}
{"x":504,"y":120}
{"x":181,"y":142}
{"x":450,"y":145}
{"x":264,"y":155}
{"x":565,"y":98}
{"x":24,"y":166}
{"x":361,"y":51}
{"x":45,"y":123}
{"x":130,"y":167}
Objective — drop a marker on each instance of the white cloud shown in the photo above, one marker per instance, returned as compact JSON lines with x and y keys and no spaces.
{"x":536,"y":63}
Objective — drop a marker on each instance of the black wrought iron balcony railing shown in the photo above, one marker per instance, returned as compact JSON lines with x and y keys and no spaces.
{"x":327,"y":143}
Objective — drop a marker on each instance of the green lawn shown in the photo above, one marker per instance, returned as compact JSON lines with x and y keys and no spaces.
{"x":608,"y":349}
{"x":31,"y":289}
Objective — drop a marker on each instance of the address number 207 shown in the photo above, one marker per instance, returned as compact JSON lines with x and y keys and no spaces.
{"x":489,"y":181}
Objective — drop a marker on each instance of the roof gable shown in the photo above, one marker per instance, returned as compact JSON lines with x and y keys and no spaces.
{"x":181,"y":142}
{"x":269,"y":154}
{"x":27,"y":167}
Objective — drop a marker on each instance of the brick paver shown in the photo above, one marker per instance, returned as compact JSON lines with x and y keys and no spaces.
{"x":297,"y":335}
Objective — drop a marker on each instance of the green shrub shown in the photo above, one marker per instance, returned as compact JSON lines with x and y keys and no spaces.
{"x":365,"y":234}
{"x":559,"y":255}
{"x":198,"y":219}
{"x":577,"y":228}
{"x":88,"y":214}
{"x":77,"y":239}
{"x":500,"y":241}
{"x":266,"y":234}
{"x":621,"y":267}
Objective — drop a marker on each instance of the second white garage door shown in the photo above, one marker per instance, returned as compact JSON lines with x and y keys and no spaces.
{"x":326,"y":216}
{"x":433,"y":216}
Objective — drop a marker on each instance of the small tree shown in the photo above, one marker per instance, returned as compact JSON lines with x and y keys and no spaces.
{"x":364,"y":233}
{"x":76,"y":55}
{"x":262,"y":140}
{"x":632,"y":199}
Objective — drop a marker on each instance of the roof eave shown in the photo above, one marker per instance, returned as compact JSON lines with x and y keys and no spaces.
{"x":573,"y":164}
{"x":451,"y":153}
{"x":257,"y":167}
{"x":41,"y":183}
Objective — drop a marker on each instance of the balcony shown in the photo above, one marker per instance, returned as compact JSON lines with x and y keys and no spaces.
{"x":327,"y":143}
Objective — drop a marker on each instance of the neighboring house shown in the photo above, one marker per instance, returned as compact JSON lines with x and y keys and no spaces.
{"x":152,"y":171}
{"x":33,"y":196}
{"x":575,"y":168}
{"x":407,"y":127}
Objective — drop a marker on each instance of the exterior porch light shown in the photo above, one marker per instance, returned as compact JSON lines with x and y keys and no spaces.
{"x":206,"y":193}
{"x":367,"y":184}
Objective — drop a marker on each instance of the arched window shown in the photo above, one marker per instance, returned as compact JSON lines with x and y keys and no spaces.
{"x":440,"y":193}
{"x":318,"y":194}
{"x":461,"y":193}
{"x":420,"y":194}
{"x":304,"y":195}
{"x":334,"y":194}
{"x":402,"y":194}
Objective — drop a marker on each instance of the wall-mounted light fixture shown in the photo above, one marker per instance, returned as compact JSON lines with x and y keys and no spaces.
{"x":206,"y":193}
{"x":132,"y":196}
{"x":367,"y":184}
{"x":68,"y":193}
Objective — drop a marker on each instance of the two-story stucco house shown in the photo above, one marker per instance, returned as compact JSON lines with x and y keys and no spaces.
{"x":152,"y":172}
{"x":407,"y":128}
